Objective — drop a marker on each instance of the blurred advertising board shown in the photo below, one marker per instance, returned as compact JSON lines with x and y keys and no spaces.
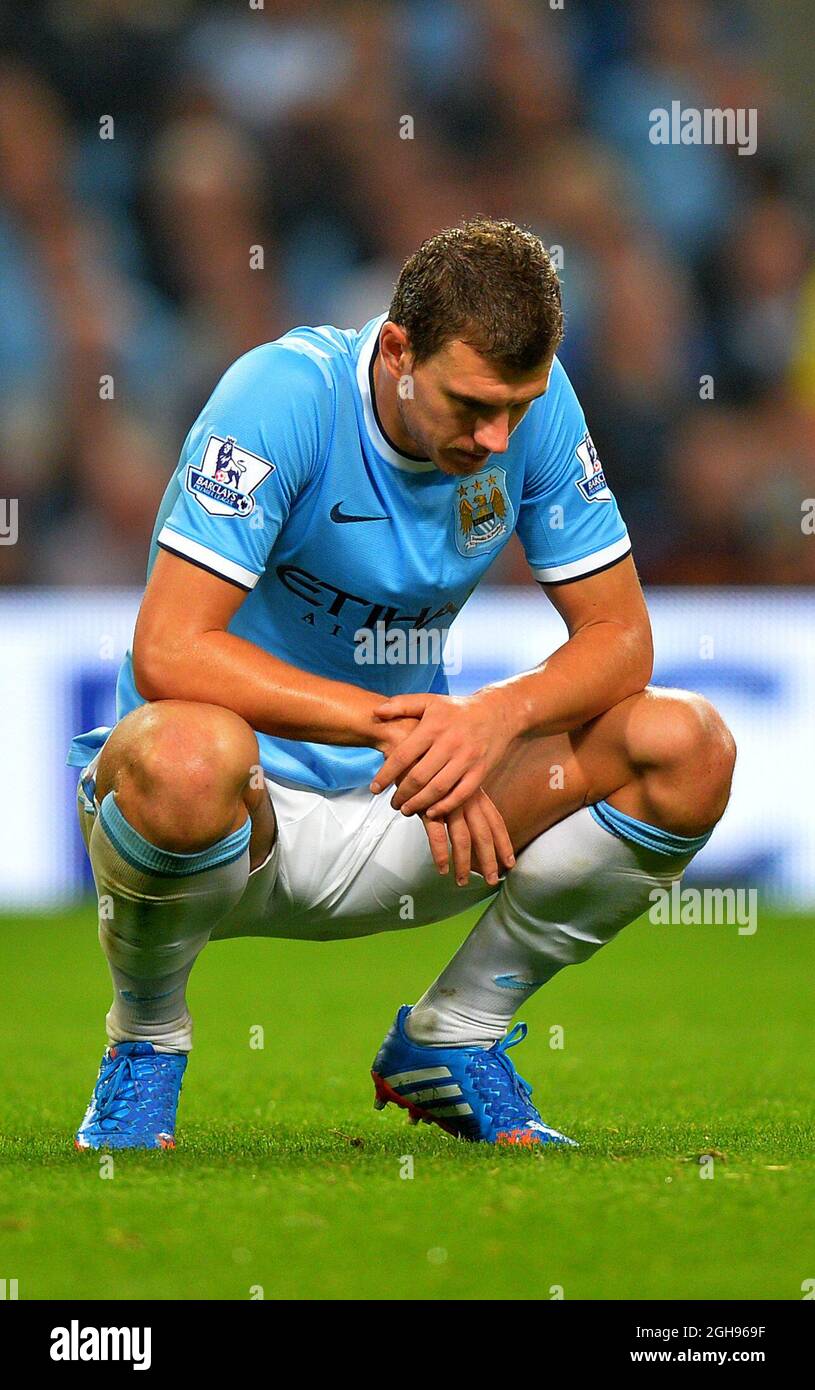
{"x":750,"y":651}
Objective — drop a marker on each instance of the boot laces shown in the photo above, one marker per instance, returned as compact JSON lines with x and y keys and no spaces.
{"x":506,"y":1094}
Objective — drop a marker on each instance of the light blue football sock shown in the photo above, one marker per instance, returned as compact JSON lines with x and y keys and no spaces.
{"x":157,"y":909}
{"x":639,"y":832}
{"x":570,"y":892}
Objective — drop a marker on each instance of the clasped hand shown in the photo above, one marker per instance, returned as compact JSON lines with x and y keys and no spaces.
{"x":439,"y":749}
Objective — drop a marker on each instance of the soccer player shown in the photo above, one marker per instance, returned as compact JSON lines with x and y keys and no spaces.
{"x":338,"y":489}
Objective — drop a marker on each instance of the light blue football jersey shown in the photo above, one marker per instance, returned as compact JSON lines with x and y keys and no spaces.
{"x":288,"y":488}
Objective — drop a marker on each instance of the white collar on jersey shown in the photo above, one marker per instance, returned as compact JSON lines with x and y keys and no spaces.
{"x":380,"y":442}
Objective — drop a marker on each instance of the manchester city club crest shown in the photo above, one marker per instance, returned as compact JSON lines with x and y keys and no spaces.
{"x":224,"y":482}
{"x":483,"y":512}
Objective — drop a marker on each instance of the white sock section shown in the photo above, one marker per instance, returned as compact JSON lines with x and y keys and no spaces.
{"x":571,"y":890}
{"x":156,"y":912}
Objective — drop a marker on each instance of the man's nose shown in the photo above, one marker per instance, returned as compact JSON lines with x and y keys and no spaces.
{"x":493,"y":435}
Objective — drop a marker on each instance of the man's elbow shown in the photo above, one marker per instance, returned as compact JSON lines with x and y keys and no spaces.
{"x":154,"y":671}
{"x":640,"y":658}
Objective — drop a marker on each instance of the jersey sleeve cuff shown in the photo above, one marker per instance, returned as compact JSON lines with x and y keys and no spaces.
{"x":589,"y":564}
{"x":207,"y":559}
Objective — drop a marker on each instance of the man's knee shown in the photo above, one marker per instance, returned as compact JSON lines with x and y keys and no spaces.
{"x":681,"y":740}
{"x":179,"y":770}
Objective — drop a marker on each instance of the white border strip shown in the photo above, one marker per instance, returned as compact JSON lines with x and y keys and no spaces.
{"x":588,"y":565}
{"x":194,"y":550}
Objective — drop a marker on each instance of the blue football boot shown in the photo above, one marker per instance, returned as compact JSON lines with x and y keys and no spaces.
{"x":134,"y":1100}
{"x":474,"y":1093}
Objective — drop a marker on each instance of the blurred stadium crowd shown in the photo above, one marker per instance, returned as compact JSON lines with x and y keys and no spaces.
{"x":281,"y":128}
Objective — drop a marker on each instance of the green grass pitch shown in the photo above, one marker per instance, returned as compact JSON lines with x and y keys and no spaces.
{"x":678,"y":1042}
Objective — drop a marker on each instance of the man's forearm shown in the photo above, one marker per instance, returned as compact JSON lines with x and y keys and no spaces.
{"x":273,"y":696}
{"x":603,"y":663}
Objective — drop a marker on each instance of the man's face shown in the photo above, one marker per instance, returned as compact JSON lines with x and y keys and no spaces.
{"x":464,"y":407}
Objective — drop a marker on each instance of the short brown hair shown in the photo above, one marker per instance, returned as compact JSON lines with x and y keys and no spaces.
{"x":487,"y":282}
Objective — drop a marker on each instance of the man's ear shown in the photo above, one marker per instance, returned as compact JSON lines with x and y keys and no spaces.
{"x":394,"y":349}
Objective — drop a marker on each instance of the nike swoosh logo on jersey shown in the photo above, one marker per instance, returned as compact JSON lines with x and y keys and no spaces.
{"x":337,"y":515}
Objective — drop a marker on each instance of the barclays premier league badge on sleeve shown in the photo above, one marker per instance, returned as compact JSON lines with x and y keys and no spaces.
{"x":593,"y":484}
{"x":226,"y":478}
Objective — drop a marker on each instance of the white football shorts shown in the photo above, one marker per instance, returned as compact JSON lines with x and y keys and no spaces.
{"x":344,"y":863}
